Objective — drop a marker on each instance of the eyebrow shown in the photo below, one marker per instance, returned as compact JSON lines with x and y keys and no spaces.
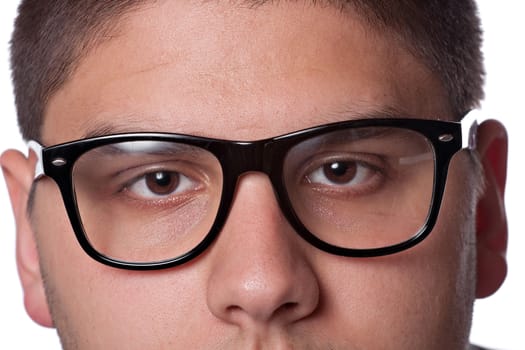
{"x":127,"y":124}
{"x":104,"y":129}
{"x":379,"y":112}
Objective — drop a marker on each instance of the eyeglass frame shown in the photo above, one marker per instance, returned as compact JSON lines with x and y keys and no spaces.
{"x":266,"y":156}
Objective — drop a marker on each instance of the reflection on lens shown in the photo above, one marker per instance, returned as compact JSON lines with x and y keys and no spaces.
{"x":147,"y":201}
{"x":362,"y":188}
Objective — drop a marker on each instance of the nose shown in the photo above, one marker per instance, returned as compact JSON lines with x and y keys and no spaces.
{"x":261,"y":274}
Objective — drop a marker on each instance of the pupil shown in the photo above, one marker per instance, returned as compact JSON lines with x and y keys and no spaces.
{"x":162,"y":182}
{"x":162,"y":179}
{"x":340,"y":172}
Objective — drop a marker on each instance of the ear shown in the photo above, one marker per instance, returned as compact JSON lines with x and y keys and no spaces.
{"x":491,"y":219}
{"x":18,"y":173}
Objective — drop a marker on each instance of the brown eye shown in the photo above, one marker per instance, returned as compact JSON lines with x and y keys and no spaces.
{"x":162,"y":182}
{"x":340,"y":172}
{"x":347,"y":174}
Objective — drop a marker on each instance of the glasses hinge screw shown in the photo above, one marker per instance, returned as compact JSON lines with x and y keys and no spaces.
{"x":446,"y":138}
{"x":59,"y":162}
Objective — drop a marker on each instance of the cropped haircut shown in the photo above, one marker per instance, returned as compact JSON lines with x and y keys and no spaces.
{"x":51,"y":37}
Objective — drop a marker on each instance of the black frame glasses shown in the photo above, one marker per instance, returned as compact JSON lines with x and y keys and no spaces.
{"x":266,"y":156}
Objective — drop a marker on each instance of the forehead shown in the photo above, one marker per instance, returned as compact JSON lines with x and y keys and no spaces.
{"x":178,"y":66}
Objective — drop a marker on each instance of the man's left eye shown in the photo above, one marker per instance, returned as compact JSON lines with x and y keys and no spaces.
{"x":341,"y":173}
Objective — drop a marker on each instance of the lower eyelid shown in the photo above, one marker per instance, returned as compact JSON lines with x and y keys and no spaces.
{"x":333,"y":190}
{"x":169,"y":203}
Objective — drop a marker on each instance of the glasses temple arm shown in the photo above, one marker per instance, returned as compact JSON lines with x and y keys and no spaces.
{"x":37,"y":149}
{"x":469,"y":128}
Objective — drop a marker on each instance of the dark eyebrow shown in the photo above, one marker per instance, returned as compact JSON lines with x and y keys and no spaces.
{"x":104,"y":130}
{"x":383,"y":112}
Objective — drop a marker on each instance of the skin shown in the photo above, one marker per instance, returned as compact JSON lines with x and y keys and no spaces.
{"x":234,"y":72}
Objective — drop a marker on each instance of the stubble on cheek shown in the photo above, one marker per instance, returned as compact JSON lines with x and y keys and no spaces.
{"x":68,"y":337}
{"x":55,"y":243}
{"x":457,"y":222}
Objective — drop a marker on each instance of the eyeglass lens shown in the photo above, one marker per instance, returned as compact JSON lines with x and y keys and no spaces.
{"x":362,"y":188}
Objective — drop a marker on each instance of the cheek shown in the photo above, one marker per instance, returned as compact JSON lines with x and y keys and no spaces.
{"x":425,"y":293}
{"x":94,"y":305}
{"x":413,"y":295}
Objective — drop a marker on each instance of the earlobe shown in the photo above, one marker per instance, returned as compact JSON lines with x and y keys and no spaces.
{"x":18,"y":173}
{"x":491,"y":222}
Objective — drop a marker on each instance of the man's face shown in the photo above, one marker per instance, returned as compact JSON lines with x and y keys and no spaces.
{"x":234,"y":72}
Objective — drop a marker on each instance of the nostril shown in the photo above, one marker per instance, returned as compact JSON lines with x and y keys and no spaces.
{"x":233,"y":308}
{"x":286,"y":309}
{"x":289,"y":306}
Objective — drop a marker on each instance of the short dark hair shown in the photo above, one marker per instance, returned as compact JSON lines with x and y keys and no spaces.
{"x":51,"y":36}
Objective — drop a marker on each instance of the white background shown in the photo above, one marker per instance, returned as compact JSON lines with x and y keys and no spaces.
{"x":498,"y":321}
